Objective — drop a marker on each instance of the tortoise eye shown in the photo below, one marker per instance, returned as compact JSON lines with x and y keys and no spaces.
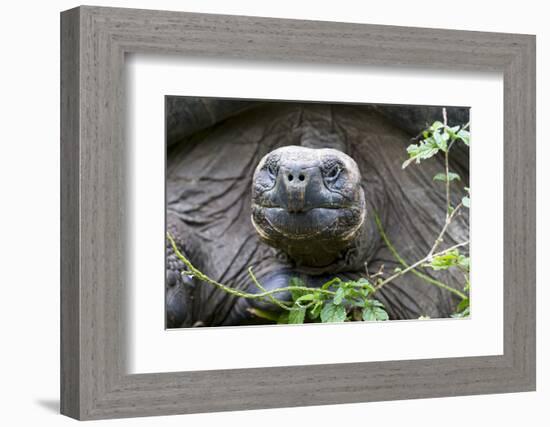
{"x":333,"y":172}
{"x":272,"y":169}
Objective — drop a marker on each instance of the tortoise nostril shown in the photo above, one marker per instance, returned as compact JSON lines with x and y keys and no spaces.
{"x":290,"y":177}
{"x":301,"y":177}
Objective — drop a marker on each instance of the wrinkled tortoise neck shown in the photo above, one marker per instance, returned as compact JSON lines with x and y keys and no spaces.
{"x":319,"y":253}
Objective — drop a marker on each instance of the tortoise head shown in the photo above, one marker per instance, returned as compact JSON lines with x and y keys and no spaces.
{"x":308,"y":202}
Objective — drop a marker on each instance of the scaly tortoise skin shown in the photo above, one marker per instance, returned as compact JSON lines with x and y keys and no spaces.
{"x":309,"y":203}
{"x":290,"y":189}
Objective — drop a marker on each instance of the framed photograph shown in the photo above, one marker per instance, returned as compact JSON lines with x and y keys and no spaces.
{"x":262,"y":213}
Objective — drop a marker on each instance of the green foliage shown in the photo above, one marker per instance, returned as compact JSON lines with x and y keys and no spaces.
{"x":297,"y":315}
{"x":462,"y":309}
{"x":455,"y":259}
{"x":464,"y":136}
{"x":345,"y":298}
{"x":437,"y":138}
{"x":332,"y":312}
{"x":374,"y":310}
{"x":442,"y":177}
{"x":449,"y":259}
{"x":421,"y":151}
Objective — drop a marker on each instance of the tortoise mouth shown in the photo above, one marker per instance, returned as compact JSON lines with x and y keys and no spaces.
{"x":312,"y":223}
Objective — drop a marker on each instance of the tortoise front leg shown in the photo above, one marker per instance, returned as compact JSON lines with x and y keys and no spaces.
{"x":242,"y":311}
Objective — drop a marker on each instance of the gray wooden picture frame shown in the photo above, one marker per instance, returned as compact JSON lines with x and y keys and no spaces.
{"x":94,"y":41}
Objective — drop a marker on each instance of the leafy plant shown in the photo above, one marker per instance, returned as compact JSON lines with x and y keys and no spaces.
{"x":451,"y":259}
{"x":349,"y":297}
{"x":440,"y":138}
{"x":335,"y":301}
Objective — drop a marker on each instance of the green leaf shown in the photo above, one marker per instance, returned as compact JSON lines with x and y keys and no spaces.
{"x":422,"y":151}
{"x":448,"y":260}
{"x":374,"y":313}
{"x":369,"y":314}
{"x":463,"y":305}
{"x":442,"y":177}
{"x":451,"y":131}
{"x":466,"y":201}
{"x":440,"y":141}
{"x":296,"y":316}
{"x":376,"y":303}
{"x":367,"y":288}
{"x":374,"y":310}
{"x":445,"y":261}
{"x":436,"y":126}
{"x":363,"y":282}
{"x":464,"y":135}
{"x":340,"y":294}
{"x":333,"y":313}
{"x":381,"y":314}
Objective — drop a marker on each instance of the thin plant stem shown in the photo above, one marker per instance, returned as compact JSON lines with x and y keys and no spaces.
{"x":420,"y":262}
{"x":400,"y":259}
{"x":271,"y":297}
{"x":448,"y":221}
{"x":201,"y":276}
{"x":447,"y":185}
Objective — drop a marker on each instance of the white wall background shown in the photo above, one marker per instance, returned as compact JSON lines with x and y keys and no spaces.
{"x":29,"y":212}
